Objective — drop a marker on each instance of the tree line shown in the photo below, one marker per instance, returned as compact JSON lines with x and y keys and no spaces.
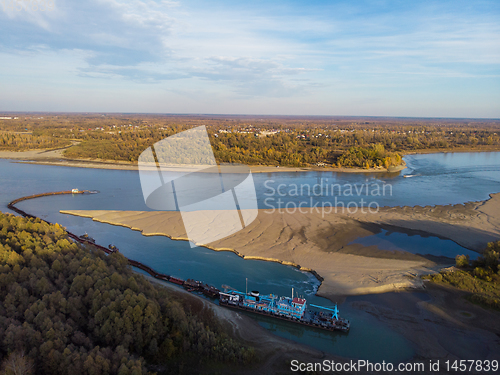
{"x":27,"y":141}
{"x":67,"y":308}
{"x":290,"y":142}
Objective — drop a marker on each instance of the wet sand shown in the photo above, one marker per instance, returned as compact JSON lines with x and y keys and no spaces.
{"x":320,"y":242}
{"x":440,"y":323}
{"x":471,"y":225}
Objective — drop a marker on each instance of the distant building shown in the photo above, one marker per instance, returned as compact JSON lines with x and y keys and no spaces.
{"x":265,"y":133}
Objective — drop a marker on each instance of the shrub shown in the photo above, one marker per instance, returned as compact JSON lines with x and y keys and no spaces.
{"x":462,"y":261}
{"x":482,"y":273}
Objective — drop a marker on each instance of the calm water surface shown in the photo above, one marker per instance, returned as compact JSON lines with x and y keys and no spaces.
{"x":445,"y":178}
{"x":415,"y":244}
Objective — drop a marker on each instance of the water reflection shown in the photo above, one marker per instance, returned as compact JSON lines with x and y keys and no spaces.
{"x":415,"y":244}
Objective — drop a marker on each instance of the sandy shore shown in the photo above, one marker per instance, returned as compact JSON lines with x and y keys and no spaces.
{"x":104,"y":164}
{"x":320,"y":242}
{"x":33,"y":154}
{"x":269,"y":169}
{"x":56,"y":157}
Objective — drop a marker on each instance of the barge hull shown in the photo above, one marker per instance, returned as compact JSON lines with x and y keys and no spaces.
{"x":285,"y":318}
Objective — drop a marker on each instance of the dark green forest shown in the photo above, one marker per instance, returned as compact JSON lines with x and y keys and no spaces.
{"x":67,"y":308}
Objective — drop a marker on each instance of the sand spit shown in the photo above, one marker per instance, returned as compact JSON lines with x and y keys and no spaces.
{"x":321,"y":242}
{"x":313,"y":241}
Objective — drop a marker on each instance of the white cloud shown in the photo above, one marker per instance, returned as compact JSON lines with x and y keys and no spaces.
{"x":236,"y":50}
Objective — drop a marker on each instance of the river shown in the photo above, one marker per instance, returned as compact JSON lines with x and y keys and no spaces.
{"x":448,"y":178}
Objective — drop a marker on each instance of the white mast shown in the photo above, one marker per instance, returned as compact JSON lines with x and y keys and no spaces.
{"x":292,"y":293}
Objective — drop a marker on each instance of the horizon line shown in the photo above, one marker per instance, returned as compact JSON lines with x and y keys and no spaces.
{"x":248,"y":115}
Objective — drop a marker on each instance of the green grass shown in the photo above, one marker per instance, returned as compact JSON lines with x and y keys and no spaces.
{"x":482,"y":292}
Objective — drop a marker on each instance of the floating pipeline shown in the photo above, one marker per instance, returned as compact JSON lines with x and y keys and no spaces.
{"x":320,"y":321}
{"x":206,"y":289}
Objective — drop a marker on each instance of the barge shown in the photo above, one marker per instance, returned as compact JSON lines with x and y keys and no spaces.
{"x":286,"y":308}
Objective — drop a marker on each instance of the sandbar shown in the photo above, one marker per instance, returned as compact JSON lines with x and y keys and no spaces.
{"x":321,"y":242}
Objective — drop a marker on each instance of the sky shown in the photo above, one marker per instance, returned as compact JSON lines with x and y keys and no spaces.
{"x":346,"y":58}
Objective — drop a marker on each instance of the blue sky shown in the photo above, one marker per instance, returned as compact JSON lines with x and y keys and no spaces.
{"x":370,"y":58}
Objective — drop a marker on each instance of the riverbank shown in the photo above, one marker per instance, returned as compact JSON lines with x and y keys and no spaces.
{"x":56,"y":157}
{"x":118,"y":165}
